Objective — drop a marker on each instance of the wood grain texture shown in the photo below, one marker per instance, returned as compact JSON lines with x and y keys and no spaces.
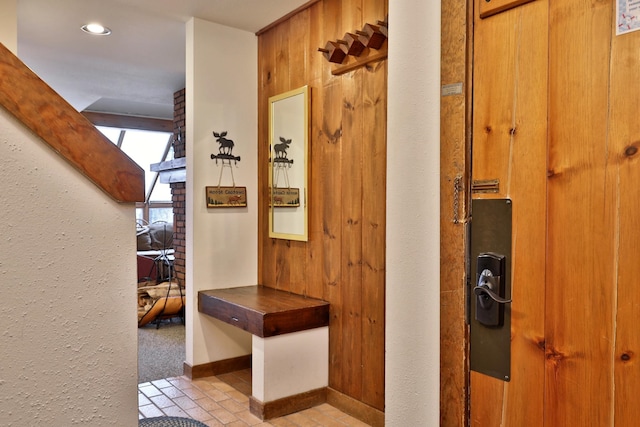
{"x":584,"y":332}
{"x":218,"y":367}
{"x":350,"y":211}
{"x":491,"y":7}
{"x":129,"y":122}
{"x":583,"y":215}
{"x":510,"y":131}
{"x":455,"y":161}
{"x":352,"y":244}
{"x":373,"y":230}
{"x":67,"y":132}
{"x":266,"y":64}
{"x":315,"y":254}
{"x":624,"y":168}
{"x":347,"y":175}
{"x":365,"y":413}
{"x":286,"y":17}
{"x":263,"y":311}
{"x":287,"y":405}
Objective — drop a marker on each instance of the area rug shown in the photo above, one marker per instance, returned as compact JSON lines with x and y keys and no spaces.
{"x":170,"y":422}
{"x":161,"y":351}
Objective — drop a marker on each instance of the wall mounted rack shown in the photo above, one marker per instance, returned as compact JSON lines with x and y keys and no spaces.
{"x":358,"y":48}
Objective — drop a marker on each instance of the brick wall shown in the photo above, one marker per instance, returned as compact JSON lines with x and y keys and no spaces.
{"x":178,"y":190}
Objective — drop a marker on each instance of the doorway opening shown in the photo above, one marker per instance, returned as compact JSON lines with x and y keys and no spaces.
{"x":161,"y":340}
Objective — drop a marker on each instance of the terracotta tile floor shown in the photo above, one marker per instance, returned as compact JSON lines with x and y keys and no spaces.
{"x":223,"y":400}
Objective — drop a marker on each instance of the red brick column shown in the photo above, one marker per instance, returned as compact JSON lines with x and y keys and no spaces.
{"x":178,"y":189}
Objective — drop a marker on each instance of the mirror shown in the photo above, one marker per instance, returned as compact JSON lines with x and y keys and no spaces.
{"x":288,"y":164}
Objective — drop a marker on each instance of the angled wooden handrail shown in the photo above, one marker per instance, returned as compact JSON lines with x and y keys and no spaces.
{"x":66,"y":131}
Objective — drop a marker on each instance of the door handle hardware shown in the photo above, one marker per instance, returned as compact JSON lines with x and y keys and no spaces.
{"x":490,"y":289}
{"x":485,"y":289}
{"x":485,"y":186}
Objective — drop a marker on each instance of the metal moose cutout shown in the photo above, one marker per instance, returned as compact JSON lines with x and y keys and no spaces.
{"x":280,"y":150}
{"x":225,"y":196}
{"x":281,"y":161}
{"x":226,"y":145}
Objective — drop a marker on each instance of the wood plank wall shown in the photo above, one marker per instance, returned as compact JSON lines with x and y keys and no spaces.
{"x":509,"y":144}
{"x":555,"y":118}
{"x":344,"y":260}
{"x":593,"y":202}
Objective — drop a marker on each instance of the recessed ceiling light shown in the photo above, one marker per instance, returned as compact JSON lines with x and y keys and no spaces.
{"x":96,"y":29}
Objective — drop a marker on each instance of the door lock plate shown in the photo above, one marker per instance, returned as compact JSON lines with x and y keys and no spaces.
{"x":490,"y":288}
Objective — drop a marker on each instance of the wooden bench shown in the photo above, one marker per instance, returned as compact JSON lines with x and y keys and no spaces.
{"x":290,"y":344}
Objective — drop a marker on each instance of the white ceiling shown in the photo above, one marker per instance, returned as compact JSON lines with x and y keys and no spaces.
{"x":136,"y":69}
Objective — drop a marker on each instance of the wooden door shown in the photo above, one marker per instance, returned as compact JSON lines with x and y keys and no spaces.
{"x":555,"y":120}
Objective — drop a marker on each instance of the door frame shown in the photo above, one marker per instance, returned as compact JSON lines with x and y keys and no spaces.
{"x":455,"y":175}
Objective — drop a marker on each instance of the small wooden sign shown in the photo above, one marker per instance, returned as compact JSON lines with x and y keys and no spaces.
{"x":226,"y":197}
{"x":491,"y":7}
{"x":286,"y":197}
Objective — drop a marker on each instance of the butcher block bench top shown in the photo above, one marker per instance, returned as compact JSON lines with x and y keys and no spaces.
{"x":263,"y":311}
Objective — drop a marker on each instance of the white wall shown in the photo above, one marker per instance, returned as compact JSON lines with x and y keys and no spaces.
{"x":68,"y":331}
{"x":222,"y":243}
{"x":9,"y":24}
{"x":413,"y":215}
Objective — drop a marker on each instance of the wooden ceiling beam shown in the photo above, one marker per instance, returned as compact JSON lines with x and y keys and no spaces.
{"x":129,"y":122}
{"x":67,"y":132}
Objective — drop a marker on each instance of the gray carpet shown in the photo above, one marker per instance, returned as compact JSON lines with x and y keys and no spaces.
{"x":160,"y":351}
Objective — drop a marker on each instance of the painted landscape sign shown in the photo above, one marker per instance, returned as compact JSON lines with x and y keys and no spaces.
{"x":286,"y":197}
{"x":226,"y":197}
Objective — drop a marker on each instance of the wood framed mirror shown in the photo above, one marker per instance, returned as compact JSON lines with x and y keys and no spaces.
{"x":289,"y":164}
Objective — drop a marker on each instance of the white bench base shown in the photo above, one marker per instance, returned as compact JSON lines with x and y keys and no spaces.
{"x":289,"y":364}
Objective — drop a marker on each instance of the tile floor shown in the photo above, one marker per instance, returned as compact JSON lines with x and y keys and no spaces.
{"x":223,"y":400}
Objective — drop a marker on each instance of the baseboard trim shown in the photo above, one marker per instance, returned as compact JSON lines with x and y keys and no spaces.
{"x":217,"y":368}
{"x":287,"y":405}
{"x":291,"y":404}
{"x":355,"y":408}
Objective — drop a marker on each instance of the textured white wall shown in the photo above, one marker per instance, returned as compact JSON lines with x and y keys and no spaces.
{"x":290,"y":364}
{"x":68,"y":332}
{"x":222,"y":244}
{"x":413,"y":215}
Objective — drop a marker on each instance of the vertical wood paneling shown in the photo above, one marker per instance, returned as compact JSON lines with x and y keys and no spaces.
{"x":330,"y":140}
{"x":351,"y":216}
{"x":348,"y":142}
{"x":373,"y":11}
{"x":492,"y":106}
{"x":625,"y":168}
{"x":282,"y":83}
{"x":351,"y":173}
{"x":374,"y":218}
{"x":298,"y":77}
{"x":510,"y":129}
{"x":526,"y":186}
{"x":299,"y":49}
{"x":330,"y":211}
{"x":266,"y":61}
{"x":314,"y":277}
{"x":487,"y":400}
{"x":282,"y":69}
{"x":317,"y":39}
{"x":373,"y":230}
{"x":589,"y":283}
{"x":580,"y":294}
